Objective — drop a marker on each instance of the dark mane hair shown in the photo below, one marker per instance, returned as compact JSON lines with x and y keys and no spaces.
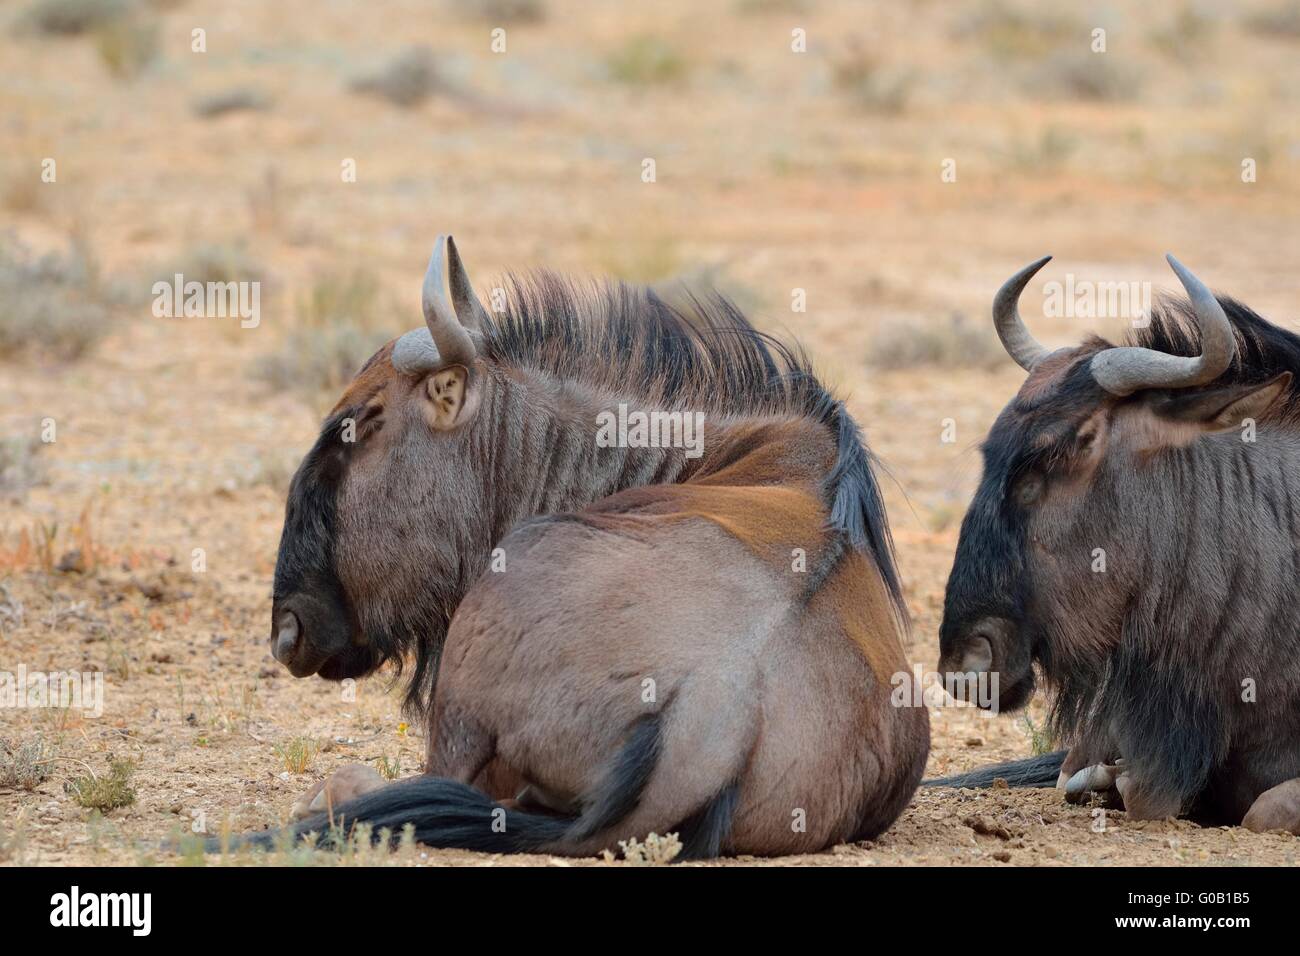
{"x":702,"y":354}
{"x":1264,"y":350}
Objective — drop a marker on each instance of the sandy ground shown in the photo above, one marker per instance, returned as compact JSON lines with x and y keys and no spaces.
{"x":769,"y":175}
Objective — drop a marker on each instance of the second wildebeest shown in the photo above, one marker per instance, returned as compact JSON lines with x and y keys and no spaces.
{"x":1136,"y":537}
{"x":608,"y":638}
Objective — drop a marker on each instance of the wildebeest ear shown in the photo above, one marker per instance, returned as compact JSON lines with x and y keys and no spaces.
{"x":451,"y":400}
{"x":1224,"y":407}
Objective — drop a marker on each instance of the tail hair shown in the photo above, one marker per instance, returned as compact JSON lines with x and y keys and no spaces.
{"x":1041,"y":771}
{"x":447,"y":814}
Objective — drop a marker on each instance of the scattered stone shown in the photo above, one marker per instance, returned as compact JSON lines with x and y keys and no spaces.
{"x":986,"y":827}
{"x":72,"y":562}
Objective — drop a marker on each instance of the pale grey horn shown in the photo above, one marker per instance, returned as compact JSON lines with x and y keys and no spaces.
{"x":468,"y":308}
{"x":1020,"y":345}
{"x":1123,"y":371}
{"x":445,"y":340}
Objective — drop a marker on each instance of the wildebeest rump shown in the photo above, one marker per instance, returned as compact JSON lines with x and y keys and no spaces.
{"x":606,"y":641}
{"x":1136,"y":536}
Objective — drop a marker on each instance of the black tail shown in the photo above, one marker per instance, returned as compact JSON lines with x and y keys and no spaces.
{"x":1030,"y":772}
{"x":447,"y":814}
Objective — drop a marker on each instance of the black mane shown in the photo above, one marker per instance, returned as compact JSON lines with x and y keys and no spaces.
{"x":1264,"y":350}
{"x":702,"y":354}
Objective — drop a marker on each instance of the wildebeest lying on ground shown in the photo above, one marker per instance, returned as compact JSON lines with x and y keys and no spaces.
{"x":1136,"y":534}
{"x":607,"y":641}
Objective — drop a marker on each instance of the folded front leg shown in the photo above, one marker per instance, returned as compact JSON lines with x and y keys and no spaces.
{"x":1277,"y":808}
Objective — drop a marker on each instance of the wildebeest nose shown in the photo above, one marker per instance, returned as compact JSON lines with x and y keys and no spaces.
{"x":286,"y":638}
{"x":979,"y":655}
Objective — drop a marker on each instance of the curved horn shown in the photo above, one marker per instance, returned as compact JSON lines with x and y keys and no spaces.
{"x":1020,"y":345}
{"x":468,"y":308}
{"x":1125,"y":370}
{"x":449,"y":335}
{"x":445,"y":340}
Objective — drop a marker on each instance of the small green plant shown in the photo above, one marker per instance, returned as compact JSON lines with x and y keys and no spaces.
{"x":297,"y":754}
{"x":389,"y":767}
{"x":645,"y":60}
{"x":108,"y":792}
{"x":127,"y":45}
{"x":1041,"y":740}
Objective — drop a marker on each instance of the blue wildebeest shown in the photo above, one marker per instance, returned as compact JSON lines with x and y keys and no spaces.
{"x":606,"y":641}
{"x":1136,"y":536}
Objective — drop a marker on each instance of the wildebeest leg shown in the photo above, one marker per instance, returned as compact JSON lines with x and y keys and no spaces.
{"x":466,"y":752}
{"x":1277,"y":808}
{"x":1138,"y":800}
{"x":1141,"y":802}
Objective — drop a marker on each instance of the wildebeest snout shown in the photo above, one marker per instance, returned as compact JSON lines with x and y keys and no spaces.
{"x":306,"y":633}
{"x":284,"y":637}
{"x":988,"y":648}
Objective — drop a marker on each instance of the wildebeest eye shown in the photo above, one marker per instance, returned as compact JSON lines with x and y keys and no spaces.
{"x":1028,"y":489}
{"x":370,"y":420}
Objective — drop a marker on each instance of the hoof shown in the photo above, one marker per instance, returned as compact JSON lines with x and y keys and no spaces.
{"x":338,"y":788}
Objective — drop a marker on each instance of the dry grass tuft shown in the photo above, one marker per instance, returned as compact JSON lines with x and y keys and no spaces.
{"x":68,"y":18}
{"x":297,"y":754}
{"x":27,"y":764}
{"x":239,"y":99}
{"x":1282,"y":20}
{"x":406,"y":81}
{"x":646,"y":60}
{"x":216,"y":262}
{"x":127,"y":45}
{"x":655,"y":851}
{"x":21,"y":467}
{"x":860,"y":76}
{"x":52,"y":305}
{"x":957,"y":343}
{"x":501,"y":11}
{"x":341,"y":322}
{"x":108,"y":792}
